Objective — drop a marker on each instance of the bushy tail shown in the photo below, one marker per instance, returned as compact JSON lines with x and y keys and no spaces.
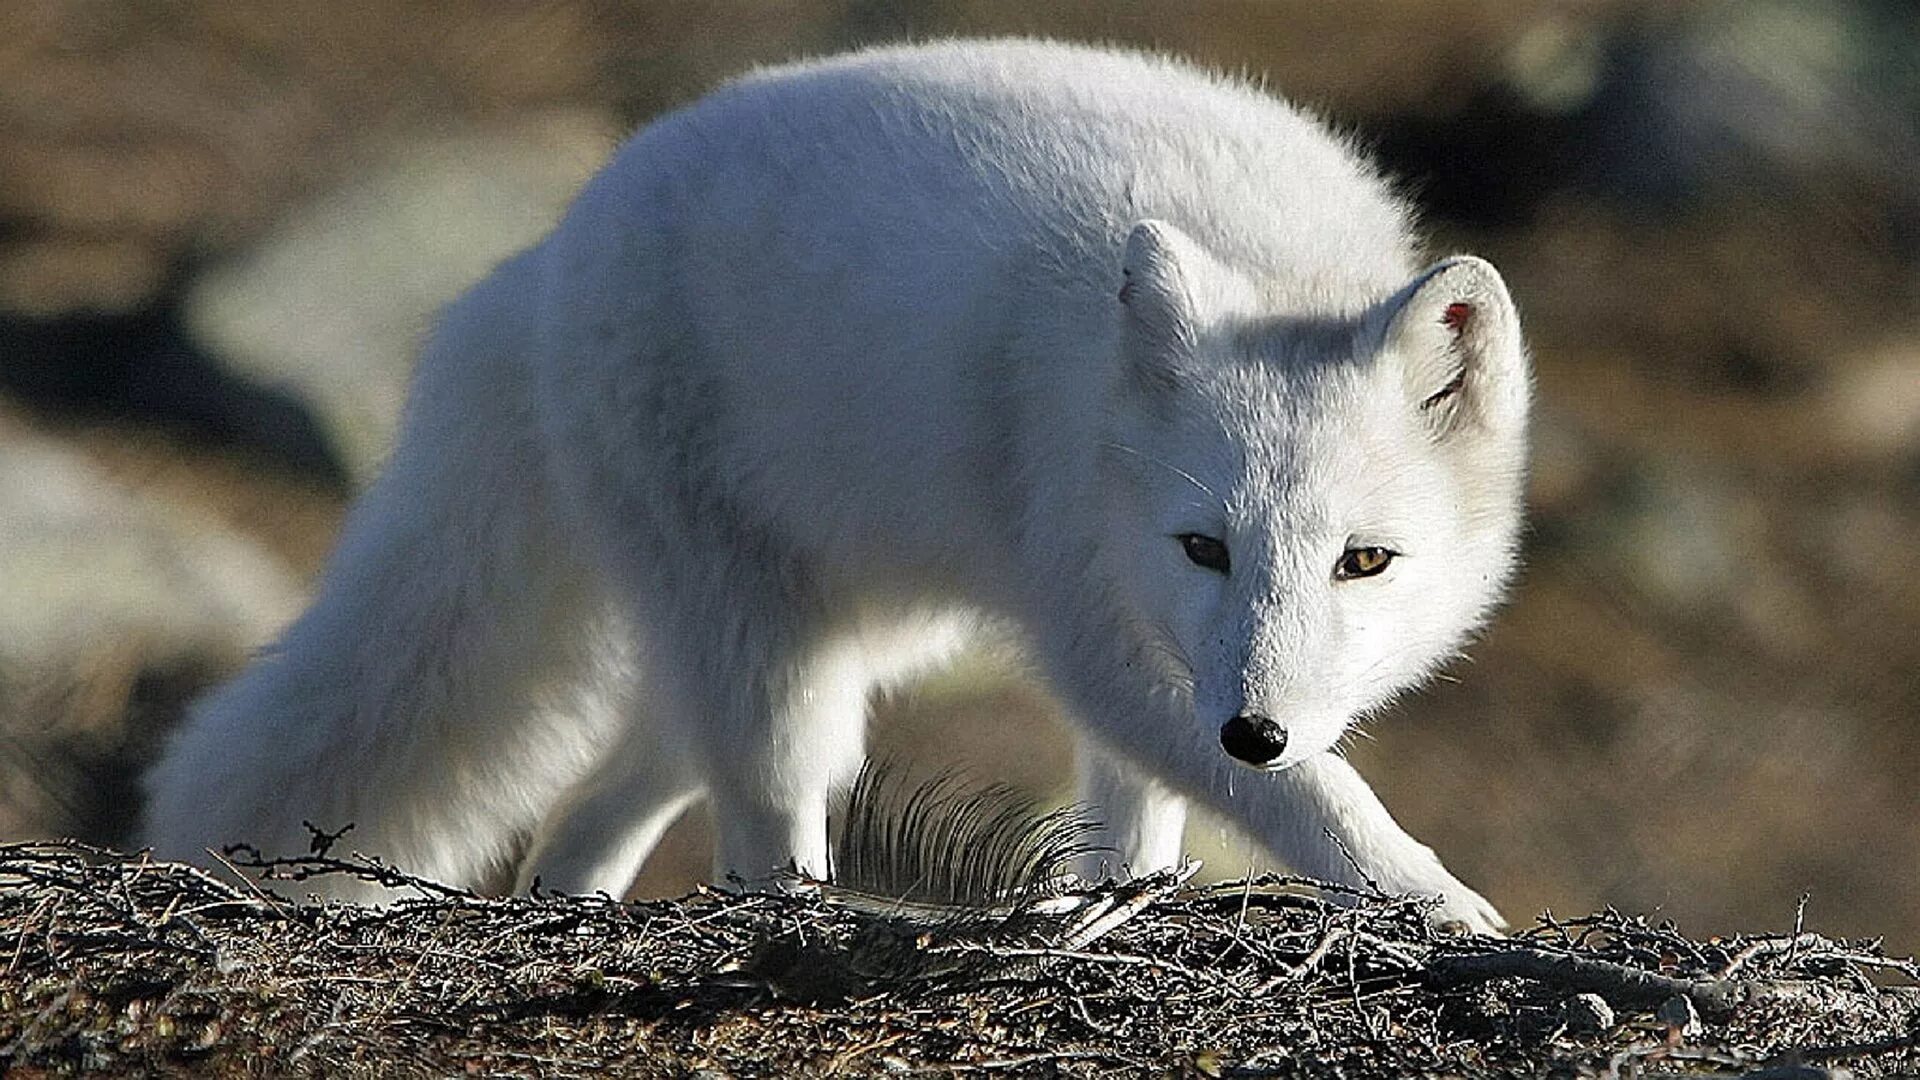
{"x":432,"y":696}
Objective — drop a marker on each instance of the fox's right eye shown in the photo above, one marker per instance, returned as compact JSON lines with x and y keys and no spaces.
{"x":1205,"y":551}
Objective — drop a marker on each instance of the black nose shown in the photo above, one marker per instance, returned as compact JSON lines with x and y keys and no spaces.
{"x":1253,"y":739}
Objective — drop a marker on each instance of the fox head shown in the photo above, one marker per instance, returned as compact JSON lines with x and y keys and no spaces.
{"x":1315,"y":512}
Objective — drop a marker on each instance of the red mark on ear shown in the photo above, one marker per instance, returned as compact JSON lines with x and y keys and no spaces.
{"x":1456,"y":316}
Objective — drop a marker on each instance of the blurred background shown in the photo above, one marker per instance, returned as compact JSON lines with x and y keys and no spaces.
{"x":225,"y":224}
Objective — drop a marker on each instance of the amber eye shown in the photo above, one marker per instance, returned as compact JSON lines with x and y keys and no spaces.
{"x":1361,"y":562}
{"x":1205,"y":551}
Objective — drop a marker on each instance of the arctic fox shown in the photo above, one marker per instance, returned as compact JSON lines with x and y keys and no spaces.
{"x":845,"y":364}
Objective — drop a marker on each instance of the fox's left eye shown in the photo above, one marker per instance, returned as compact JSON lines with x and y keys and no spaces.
{"x":1362,"y":562}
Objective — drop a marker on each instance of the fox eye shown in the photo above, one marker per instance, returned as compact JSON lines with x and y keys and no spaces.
{"x":1362,"y":562}
{"x":1205,"y":551}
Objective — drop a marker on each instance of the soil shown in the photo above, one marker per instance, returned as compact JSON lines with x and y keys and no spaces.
{"x":119,"y":964}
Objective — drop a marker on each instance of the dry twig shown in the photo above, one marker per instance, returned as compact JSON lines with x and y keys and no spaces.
{"x":123,"y":965}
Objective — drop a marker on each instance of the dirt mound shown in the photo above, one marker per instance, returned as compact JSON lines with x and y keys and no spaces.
{"x":124,"y":965}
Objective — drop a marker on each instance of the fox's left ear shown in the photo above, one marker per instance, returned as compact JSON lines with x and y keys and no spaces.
{"x":1454,"y":335}
{"x":1158,"y":299}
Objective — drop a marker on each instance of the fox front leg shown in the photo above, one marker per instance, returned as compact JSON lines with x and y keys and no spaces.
{"x":1141,"y":822}
{"x":1330,"y":825}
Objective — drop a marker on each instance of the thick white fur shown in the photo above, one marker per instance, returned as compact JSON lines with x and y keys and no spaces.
{"x":828,"y":372}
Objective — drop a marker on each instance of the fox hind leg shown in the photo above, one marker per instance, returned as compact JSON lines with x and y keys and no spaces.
{"x":611,"y":820}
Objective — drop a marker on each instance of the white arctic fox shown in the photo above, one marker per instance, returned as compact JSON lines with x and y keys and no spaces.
{"x":843,"y":364}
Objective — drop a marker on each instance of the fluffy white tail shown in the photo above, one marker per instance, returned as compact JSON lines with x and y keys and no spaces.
{"x":432,"y":696}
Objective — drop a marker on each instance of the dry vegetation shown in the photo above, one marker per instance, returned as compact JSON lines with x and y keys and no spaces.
{"x":124,"y":965}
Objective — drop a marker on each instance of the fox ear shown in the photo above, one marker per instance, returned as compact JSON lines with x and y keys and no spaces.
{"x":1454,"y":334}
{"x":1157,"y":298}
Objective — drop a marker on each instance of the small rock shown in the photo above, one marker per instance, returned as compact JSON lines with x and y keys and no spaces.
{"x":332,"y":304}
{"x":116,"y":607}
{"x":1587,"y":1014}
{"x":227,"y":961}
{"x":1677,"y":1012}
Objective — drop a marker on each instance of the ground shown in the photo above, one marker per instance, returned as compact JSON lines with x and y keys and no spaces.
{"x":119,"y":964}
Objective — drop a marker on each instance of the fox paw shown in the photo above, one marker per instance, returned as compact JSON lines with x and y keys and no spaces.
{"x":1463,"y":911}
{"x":1460,"y":910}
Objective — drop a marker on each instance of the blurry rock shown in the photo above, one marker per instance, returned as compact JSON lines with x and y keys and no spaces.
{"x":138,"y":367}
{"x":1874,"y":403}
{"x":1587,"y":1014}
{"x":136,"y":138}
{"x":334,"y":302}
{"x":1679,"y":535}
{"x":1679,"y":1013}
{"x":115,"y":611}
{"x":1804,"y":91}
{"x":1666,"y":110}
{"x":51,"y":277}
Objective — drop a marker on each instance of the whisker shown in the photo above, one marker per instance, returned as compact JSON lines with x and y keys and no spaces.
{"x":1160,"y":639}
{"x":1175,"y":469}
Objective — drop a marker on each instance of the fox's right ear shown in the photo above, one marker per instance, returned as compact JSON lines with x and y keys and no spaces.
{"x":1454,"y":335}
{"x":1157,"y":295}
